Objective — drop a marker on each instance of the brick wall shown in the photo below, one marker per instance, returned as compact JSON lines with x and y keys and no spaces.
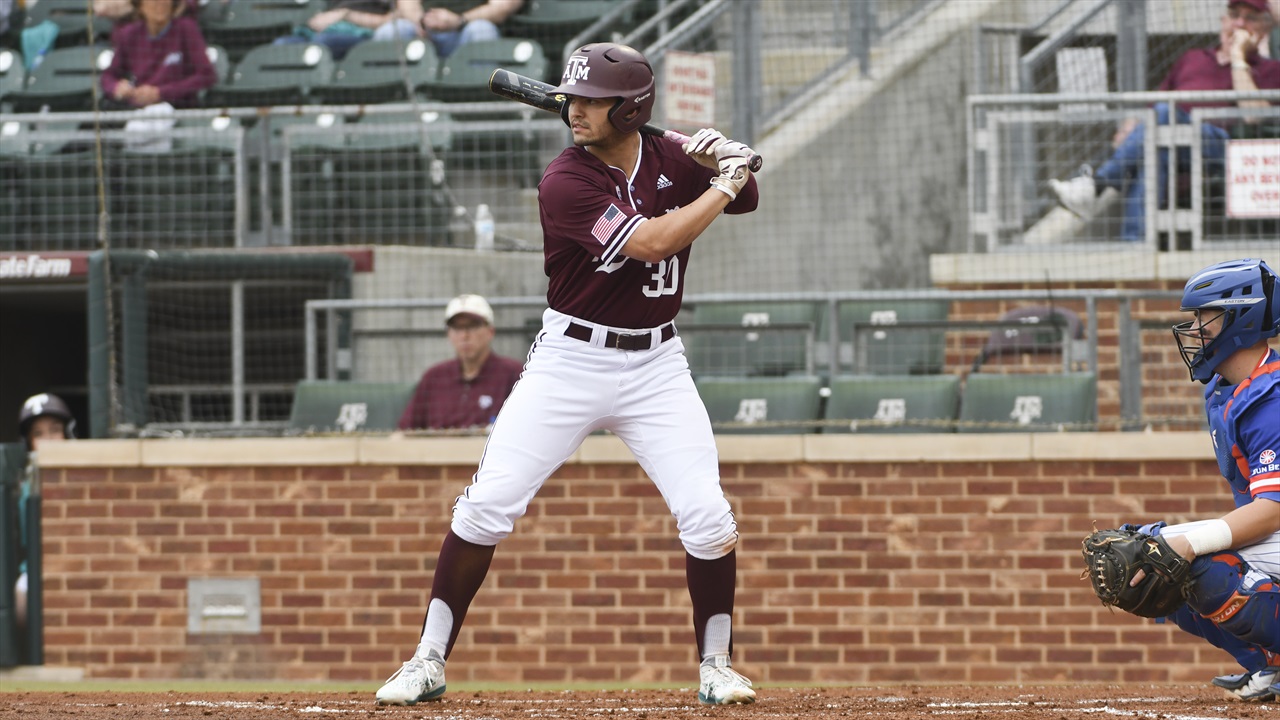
{"x":863,"y":560}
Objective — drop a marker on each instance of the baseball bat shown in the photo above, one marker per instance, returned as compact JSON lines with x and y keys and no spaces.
{"x":535,"y":93}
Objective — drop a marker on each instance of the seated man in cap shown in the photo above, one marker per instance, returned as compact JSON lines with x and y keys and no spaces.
{"x":1234,"y":64}
{"x":468,"y":390}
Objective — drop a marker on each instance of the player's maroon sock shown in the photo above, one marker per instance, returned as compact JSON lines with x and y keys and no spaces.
{"x":460,"y":571}
{"x":712,"y":584}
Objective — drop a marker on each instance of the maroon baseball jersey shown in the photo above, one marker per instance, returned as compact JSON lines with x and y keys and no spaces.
{"x":444,"y":400}
{"x":589,"y":210}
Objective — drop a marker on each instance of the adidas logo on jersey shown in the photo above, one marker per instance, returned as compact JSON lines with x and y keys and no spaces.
{"x":663,"y":182}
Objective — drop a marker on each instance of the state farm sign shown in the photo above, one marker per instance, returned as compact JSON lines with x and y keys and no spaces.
{"x":33,"y":266}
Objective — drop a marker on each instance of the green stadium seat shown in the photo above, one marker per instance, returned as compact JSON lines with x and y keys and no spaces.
{"x":553,"y":23}
{"x":744,"y":338}
{"x":1042,"y":332}
{"x":892,"y":404}
{"x":464,"y":75}
{"x":184,"y":197}
{"x":891,"y":352}
{"x":380,"y":71}
{"x":74,"y":20}
{"x":378,"y":180}
{"x":242,"y":25}
{"x":1028,"y":403}
{"x":63,"y":81}
{"x":325,"y":406}
{"x":755,"y":404}
{"x":13,"y":74}
{"x":220,"y":60}
{"x":274,"y":75}
{"x":58,"y":196}
{"x":36,"y":174}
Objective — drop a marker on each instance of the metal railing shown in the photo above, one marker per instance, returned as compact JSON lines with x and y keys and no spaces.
{"x":826,"y":351}
{"x":183,"y":198}
{"x":1065,"y":130}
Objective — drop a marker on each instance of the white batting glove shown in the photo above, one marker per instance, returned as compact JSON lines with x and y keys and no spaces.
{"x":733,"y":175}
{"x":733,"y":148}
{"x":702,"y":147}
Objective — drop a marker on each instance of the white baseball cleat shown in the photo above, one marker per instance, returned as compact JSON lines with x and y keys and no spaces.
{"x":1079,"y":195}
{"x":1252,"y":687}
{"x":721,"y":685}
{"x":417,"y":680}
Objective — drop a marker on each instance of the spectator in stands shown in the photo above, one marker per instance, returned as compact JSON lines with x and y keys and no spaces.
{"x":159,"y":58}
{"x":44,"y":418}
{"x":450,"y":25}
{"x":454,"y":22}
{"x":345,"y":23}
{"x":468,"y":390}
{"x":1234,"y":64}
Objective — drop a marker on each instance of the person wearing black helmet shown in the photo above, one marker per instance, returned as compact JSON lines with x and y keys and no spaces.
{"x":1234,"y":600}
{"x":44,"y":418}
{"x":619,"y":212}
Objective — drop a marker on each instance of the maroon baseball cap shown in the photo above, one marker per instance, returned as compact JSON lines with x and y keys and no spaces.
{"x":1259,"y":5}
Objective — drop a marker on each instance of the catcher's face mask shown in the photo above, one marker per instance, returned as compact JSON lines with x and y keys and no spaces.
{"x":1195,"y":336}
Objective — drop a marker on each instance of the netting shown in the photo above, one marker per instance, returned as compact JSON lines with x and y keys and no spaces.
{"x":908,"y":144}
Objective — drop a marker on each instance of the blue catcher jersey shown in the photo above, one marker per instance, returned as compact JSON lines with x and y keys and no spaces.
{"x":1245,"y":424}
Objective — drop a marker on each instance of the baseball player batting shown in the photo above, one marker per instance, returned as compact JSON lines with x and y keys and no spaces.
{"x":1230,"y":594}
{"x":619,"y":212}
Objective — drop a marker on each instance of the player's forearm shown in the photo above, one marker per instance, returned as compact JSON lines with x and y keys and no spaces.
{"x":661,"y":237}
{"x":1253,"y":522}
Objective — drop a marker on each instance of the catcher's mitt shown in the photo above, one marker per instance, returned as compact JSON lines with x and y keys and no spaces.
{"x":1113,"y":557}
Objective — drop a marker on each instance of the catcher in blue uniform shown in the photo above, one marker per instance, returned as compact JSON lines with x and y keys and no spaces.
{"x":1218,"y":579}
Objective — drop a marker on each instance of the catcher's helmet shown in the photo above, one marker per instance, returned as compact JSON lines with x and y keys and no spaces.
{"x":602,"y":70}
{"x":1244,"y":294}
{"x":46,"y":404}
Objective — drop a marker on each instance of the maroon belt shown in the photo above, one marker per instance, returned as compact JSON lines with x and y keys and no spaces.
{"x":621,"y":341}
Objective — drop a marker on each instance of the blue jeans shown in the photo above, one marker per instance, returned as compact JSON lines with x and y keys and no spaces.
{"x":474,"y":31}
{"x":1124,"y":170}
{"x":338,"y":43}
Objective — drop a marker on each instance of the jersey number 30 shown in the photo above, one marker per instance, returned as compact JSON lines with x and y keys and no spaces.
{"x":666,"y":278}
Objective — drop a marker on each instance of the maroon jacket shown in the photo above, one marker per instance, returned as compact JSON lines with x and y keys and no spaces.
{"x":443,"y":400}
{"x":175,"y":61}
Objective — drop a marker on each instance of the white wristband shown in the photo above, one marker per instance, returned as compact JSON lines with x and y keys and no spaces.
{"x":1209,"y":537}
{"x":1240,"y":66}
{"x":725,"y":189}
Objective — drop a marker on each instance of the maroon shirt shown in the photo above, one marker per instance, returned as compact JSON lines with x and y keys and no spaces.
{"x":1199,"y":70}
{"x":175,"y":61}
{"x":588,"y":214}
{"x":444,"y":400}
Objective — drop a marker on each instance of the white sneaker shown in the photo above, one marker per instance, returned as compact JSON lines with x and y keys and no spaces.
{"x":721,"y":685}
{"x":417,"y":680}
{"x":1079,"y":195}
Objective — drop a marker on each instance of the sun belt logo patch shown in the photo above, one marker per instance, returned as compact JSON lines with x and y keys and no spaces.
{"x":1266,"y":457}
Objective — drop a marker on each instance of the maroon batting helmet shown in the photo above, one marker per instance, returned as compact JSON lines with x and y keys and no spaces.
{"x":603,"y":70}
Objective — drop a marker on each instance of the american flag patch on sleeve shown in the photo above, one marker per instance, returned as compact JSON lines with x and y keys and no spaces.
{"x":607,"y":223}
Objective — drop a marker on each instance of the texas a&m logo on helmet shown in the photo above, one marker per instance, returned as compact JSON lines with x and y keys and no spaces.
{"x":576,"y":69}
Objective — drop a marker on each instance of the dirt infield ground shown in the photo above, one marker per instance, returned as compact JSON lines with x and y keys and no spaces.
{"x":1164,"y":702}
